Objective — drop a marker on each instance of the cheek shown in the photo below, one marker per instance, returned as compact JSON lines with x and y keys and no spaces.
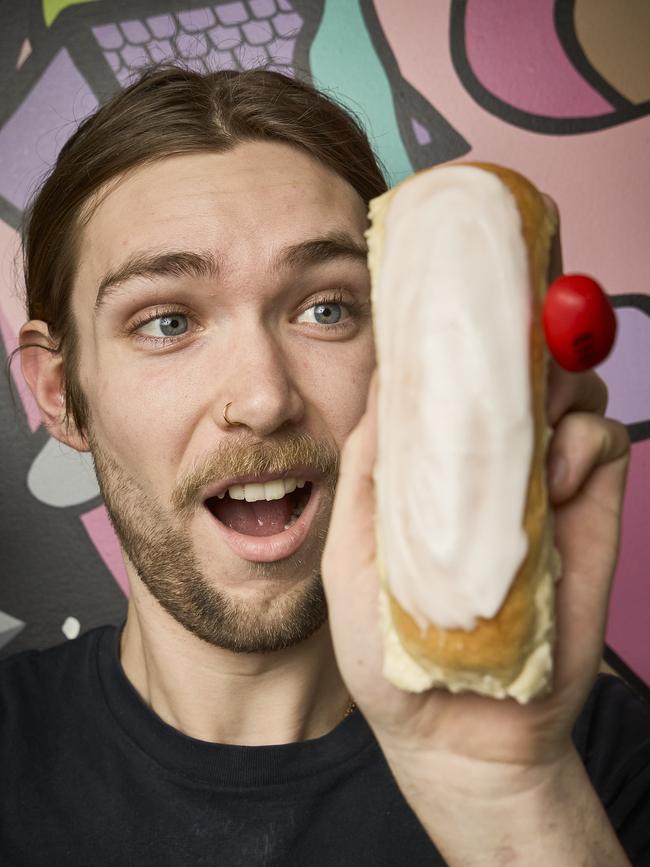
{"x":144,"y":418}
{"x":338,"y":385}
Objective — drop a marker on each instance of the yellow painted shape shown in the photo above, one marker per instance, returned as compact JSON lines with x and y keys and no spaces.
{"x":614,"y":36}
{"x":52,"y":8}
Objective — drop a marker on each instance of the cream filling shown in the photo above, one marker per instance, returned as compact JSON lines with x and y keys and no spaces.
{"x":402,"y":670}
{"x":452,"y":310}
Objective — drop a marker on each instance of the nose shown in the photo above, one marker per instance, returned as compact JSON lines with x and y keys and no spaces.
{"x":258,"y":386}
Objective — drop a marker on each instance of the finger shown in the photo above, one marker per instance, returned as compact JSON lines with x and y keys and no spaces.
{"x":581,"y":443}
{"x":573,"y":392}
{"x":587,"y":536}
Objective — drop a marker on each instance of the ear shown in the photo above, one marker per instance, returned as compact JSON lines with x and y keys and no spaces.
{"x":42,"y":368}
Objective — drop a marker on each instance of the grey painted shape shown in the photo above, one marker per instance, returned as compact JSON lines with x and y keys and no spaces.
{"x":60,"y":476}
{"x":9,"y":628}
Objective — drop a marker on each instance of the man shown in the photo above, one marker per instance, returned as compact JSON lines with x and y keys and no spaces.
{"x":200,"y":320}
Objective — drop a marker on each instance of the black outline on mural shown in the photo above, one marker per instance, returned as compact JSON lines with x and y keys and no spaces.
{"x":516,"y":116}
{"x":446,"y":142}
{"x":632,"y":299}
{"x":312,"y":15}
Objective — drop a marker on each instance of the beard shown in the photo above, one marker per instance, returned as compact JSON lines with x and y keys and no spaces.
{"x":159,"y":544}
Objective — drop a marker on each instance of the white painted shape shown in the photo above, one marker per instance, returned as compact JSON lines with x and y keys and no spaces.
{"x":61,"y":476}
{"x":71,"y":627}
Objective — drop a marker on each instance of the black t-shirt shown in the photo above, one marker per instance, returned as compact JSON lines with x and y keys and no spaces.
{"x":89,"y":775}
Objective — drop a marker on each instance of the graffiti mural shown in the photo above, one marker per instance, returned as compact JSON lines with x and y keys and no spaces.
{"x":557,"y":90}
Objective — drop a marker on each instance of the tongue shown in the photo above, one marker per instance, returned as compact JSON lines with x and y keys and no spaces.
{"x":254,"y":519}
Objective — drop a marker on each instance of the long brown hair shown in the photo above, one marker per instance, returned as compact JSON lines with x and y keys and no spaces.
{"x":171,"y":110}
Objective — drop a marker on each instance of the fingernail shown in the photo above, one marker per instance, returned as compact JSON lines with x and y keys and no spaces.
{"x":557,"y":472}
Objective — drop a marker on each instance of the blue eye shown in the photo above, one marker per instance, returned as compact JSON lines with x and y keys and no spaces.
{"x":169,"y":325}
{"x":328,"y":311}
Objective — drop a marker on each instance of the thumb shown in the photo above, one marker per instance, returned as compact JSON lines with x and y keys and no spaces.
{"x":348,"y":566}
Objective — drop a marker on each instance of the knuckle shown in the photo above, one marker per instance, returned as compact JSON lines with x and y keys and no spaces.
{"x":582,"y":434}
{"x":615,"y":440}
{"x":623,"y":436}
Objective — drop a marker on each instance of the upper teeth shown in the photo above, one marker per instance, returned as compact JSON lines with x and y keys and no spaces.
{"x":253,"y":491}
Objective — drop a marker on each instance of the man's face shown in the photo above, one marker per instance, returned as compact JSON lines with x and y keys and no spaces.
{"x":220,"y":312}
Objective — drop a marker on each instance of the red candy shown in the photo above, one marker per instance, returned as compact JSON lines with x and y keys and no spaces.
{"x":579,"y":322}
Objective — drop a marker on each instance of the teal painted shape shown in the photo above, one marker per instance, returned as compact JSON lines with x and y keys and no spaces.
{"x":344,"y":62}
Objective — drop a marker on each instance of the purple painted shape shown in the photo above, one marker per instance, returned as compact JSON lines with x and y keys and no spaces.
{"x":162,"y":26}
{"x":286,"y":6}
{"x":422,"y":135}
{"x":196,"y":20}
{"x":98,"y":526}
{"x":220,"y":60}
{"x":626,"y":371}
{"x":125,"y":76}
{"x":514,"y":51}
{"x":251,"y":56}
{"x":135,"y":32}
{"x":258,"y":32}
{"x":108,"y":36}
{"x":196,"y":64}
{"x":114,"y":59}
{"x":32,"y":137}
{"x":231,"y":13}
{"x":629,"y":609}
{"x":191,"y":45}
{"x":287,"y":25}
{"x":285,"y":70}
{"x":225,"y":38}
{"x":135,"y":56}
{"x":160,"y":50}
{"x":261,"y":8}
{"x":281,"y":50}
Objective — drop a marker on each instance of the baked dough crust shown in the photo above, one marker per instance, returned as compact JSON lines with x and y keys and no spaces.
{"x":509,"y":654}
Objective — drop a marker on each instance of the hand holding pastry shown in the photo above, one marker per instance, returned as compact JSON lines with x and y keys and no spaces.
{"x":466,"y":754}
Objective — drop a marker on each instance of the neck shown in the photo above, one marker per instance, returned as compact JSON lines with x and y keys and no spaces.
{"x":215,"y":695}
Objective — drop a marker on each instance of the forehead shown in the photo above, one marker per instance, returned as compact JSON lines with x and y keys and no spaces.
{"x":244,"y":202}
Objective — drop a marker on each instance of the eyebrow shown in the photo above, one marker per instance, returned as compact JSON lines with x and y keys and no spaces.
{"x":186,"y":263}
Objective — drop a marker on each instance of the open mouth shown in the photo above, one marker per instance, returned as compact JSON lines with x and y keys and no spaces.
{"x":263,"y":517}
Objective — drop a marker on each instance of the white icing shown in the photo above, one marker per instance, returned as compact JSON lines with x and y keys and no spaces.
{"x":452,"y":318}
